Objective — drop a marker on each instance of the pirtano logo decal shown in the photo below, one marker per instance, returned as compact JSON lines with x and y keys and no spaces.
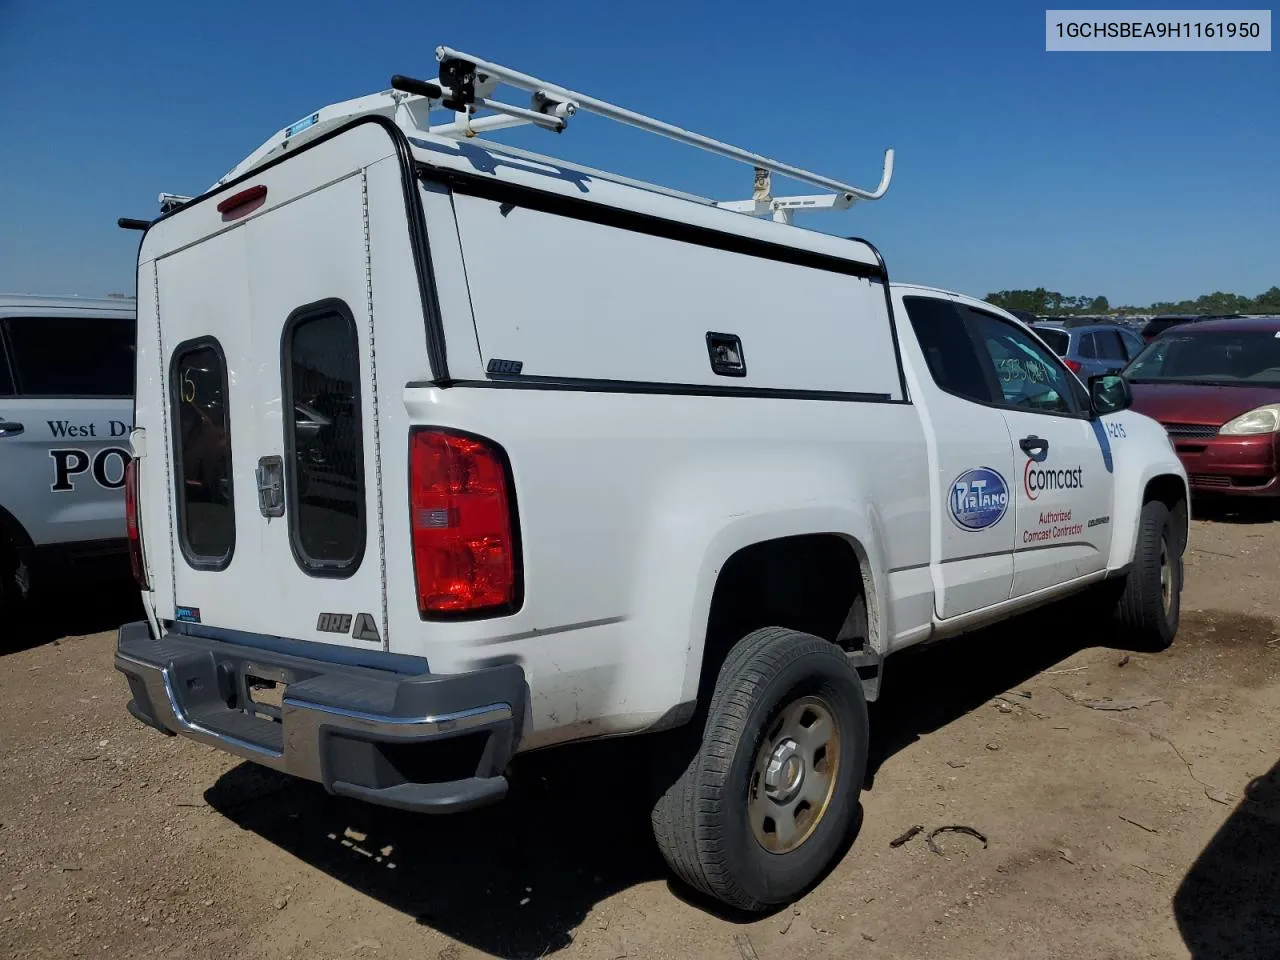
{"x":1036,"y":479}
{"x":978,"y":498}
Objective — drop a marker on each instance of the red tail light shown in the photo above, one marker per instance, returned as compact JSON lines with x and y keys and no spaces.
{"x":1075,"y":366}
{"x":133,"y":525}
{"x":461,"y":510}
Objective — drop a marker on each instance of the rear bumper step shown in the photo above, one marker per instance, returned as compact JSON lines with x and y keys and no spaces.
{"x":427,"y":743}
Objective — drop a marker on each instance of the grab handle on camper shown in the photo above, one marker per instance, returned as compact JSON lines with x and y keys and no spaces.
{"x":423,"y":88}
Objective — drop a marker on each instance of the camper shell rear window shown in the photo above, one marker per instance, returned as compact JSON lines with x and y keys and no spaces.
{"x":324,"y":444}
{"x":206,"y":518}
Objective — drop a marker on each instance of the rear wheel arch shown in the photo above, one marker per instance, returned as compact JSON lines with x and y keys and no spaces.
{"x":820,"y":584}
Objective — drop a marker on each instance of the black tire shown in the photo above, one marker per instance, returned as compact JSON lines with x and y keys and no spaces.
{"x":1146,"y":612}
{"x":12,"y":599}
{"x":701,"y":821}
{"x":7,"y":589}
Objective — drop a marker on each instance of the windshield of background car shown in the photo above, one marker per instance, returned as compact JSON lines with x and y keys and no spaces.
{"x":1058,"y":340}
{"x":1248,"y":358}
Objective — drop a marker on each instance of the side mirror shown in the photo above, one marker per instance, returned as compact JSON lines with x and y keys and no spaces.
{"x":1109,"y":393}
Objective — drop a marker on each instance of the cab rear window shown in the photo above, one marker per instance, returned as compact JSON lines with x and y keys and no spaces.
{"x":71,"y":356}
{"x":202,"y":443}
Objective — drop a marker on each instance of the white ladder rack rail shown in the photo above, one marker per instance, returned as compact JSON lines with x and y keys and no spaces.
{"x":466,"y":84}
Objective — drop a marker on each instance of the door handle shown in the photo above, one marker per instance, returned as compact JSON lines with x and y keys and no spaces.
{"x":10,"y":429}
{"x":270,"y":473}
{"x":1037,"y":448}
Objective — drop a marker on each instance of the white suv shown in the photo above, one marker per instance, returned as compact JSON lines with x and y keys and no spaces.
{"x":66,"y":408}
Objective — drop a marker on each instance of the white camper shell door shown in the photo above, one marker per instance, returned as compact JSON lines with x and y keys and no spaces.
{"x":273,"y":424}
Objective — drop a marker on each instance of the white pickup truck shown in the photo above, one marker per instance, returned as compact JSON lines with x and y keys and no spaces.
{"x":445,"y":451}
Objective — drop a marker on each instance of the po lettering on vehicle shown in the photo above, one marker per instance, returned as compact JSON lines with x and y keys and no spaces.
{"x":106,"y":467}
{"x":1037,"y":479}
{"x":978,"y":499}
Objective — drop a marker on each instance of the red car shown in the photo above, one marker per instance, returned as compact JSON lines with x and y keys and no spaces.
{"x":1215,"y":386}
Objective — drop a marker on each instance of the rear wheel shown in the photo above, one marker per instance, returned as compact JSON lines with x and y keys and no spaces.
{"x":764,"y":805}
{"x":1150,"y":606}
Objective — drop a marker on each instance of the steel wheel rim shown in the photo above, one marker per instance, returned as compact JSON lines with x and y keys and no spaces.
{"x":793,"y":776}
{"x":1166,"y":577}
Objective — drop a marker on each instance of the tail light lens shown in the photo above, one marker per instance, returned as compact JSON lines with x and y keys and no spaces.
{"x":461,"y":507}
{"x":133,"y":525}
{"x":1074,"y":365}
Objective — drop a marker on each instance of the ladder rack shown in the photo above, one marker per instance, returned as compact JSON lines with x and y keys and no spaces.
{"x":466,"y":85}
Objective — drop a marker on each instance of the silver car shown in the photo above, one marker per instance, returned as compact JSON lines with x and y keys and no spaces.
{"x":66,"y":410}
{"x":1091,"y":349}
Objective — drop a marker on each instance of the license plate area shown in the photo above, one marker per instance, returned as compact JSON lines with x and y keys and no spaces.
{"x":264,"y":690}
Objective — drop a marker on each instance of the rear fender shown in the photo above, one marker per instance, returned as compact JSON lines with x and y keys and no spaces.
{"x":693,"y":536}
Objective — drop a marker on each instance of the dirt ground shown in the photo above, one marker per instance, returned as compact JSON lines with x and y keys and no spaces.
{"x":1145,"y":832}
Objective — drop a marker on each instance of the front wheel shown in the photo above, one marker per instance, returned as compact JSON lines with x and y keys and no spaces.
{"x":764,"y":805}
{"x":1151,"y":603}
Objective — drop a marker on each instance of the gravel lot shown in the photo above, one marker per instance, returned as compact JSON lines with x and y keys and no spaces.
{"x":1144,"y":832}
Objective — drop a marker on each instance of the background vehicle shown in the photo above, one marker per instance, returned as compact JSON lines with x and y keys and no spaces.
{"x":559,"y":508}
{"x":1158,"y":325}
{"x":1091,"y":349}
{"x":66,"y":409}
{"x":1026,"y":316}
{"x":1215,"y":386}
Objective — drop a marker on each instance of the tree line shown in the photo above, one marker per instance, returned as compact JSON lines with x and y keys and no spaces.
{"x":1042,"y":301}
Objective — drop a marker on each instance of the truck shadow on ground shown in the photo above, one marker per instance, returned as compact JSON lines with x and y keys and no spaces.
{"x":927,"y":688}
{"x":514,"y":879}
{"x":1228,"y":904}
{"x":517,"y":879}
{"x":48,"y":619}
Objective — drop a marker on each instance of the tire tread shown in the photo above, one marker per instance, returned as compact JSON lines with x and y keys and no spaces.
{"x":1140,"y":609}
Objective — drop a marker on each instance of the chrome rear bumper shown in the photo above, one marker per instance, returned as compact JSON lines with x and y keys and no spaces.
{"x":419,"y":742}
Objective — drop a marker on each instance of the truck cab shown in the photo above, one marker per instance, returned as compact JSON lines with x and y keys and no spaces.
{"x":1014,"y":436}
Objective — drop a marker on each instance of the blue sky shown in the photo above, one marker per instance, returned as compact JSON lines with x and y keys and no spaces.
{"x":1140,"y":176}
